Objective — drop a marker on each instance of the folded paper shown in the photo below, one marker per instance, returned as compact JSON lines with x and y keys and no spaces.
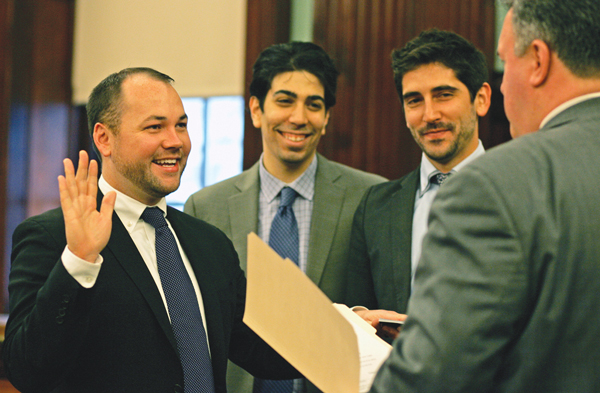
{"x":332,"y":347}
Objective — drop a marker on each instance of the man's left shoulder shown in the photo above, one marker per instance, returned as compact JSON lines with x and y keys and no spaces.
{"x":512,"y":157}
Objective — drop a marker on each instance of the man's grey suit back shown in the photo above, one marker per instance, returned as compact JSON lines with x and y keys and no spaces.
{"x":512,"y":259}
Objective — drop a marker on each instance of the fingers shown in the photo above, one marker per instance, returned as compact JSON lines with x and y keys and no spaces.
{"x":81,"y":178}
{"x":69,"y":168}
{"x":92,"y":180}
{"x":87,"y":230}
{"x":65,"y":199}
{"x":85,"y":181}
{"x":373,"y":316}
{"x":108,"y":205}
{"x":67,"y":186}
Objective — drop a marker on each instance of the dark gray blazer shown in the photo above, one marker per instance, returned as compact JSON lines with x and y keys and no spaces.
{"x":506,"y":297}
{"x":232,"y":206}
{"x":380,"y":258}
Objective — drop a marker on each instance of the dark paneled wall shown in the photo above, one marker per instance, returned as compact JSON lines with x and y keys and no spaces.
{"x":36,"y":111}
{"x":367,"y":131}
{"x":6,"y":12}
{"x":367,"y":128}
{"x":268,"y":23}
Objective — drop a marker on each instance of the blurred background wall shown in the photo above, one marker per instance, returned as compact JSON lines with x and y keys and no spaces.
{"x":52,"y":53}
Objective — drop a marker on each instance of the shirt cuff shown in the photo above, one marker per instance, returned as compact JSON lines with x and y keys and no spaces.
{"x":84,"y":272}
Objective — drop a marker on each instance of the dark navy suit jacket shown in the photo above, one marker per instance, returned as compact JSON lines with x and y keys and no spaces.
{"x":116,"y":336}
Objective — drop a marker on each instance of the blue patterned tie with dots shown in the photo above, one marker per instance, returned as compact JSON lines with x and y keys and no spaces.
{"x":184,"y":310}
{"x":284,"y":239}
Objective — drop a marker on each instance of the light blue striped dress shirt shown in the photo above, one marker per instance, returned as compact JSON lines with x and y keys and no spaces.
{"x":268,"y":203}
{"x":269,"y":199}
{"x":423,"y":200}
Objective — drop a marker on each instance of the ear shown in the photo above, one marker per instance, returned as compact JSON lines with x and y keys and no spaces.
{"x":103,"y":139}
{"x":483,"y":99}
{"x":255,"y":111}
{"x":542,"y":56}
{"x":323,"y":131}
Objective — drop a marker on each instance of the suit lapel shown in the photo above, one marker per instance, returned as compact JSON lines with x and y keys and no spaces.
{"x":124,"y":251}
{"x":205,"y":276}
{"x":243,"y":211}
{"x":400,"y":223}
{"x":327,"y":207}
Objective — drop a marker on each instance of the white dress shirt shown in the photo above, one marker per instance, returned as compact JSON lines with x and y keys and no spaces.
{"x":423,"y":200}
{"x":269,"y":200}
{"x":129,"y":211}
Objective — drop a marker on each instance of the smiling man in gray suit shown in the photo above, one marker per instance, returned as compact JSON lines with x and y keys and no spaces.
{"x":506,"y":293}
{"x":292,"y":93}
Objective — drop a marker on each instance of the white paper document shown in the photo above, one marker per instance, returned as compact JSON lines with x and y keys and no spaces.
{"x":329,"y":344}
{"x":371,"y":348}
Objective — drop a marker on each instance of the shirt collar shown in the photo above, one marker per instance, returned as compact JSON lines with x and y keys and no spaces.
{"x":303,"y":185}
{"x":128,"y":209}
{"x":428,"y":170}
{"x":566,"y":105}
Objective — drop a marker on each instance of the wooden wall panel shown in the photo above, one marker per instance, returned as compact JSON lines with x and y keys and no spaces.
{"x":367,"y":128}
{"x":50,"y":99}
{"x":268,"y":23}
{"x":6,"y":13}
{"x":39,"y":100}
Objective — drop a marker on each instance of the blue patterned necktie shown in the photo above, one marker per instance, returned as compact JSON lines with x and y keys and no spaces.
{"x":184,"y":310}
{"x":284,"y":239}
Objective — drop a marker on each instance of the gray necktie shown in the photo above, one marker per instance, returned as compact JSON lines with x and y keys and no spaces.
{"x":284,"y":238}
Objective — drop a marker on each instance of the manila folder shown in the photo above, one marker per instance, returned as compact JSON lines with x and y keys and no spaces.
{"x":295,"y":318}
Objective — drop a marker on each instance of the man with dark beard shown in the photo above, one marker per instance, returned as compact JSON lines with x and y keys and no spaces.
{"x":506,"y":294}
{"x":441,"y":81}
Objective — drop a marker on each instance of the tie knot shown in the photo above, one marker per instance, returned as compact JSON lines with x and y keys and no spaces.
{"x":440,"y":178}
{"x":154,"y":216}
{"x":288,"y":195}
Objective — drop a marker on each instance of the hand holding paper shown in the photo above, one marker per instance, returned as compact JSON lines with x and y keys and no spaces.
{"x":389,"y":329}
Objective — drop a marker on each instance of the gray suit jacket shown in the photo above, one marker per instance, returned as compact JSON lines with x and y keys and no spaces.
{"x":379,"y":269}
{"x":232,"y":206}
{"x":506,"y":292}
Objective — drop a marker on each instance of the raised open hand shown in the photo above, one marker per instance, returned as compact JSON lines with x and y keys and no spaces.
{"x":87,"y":229}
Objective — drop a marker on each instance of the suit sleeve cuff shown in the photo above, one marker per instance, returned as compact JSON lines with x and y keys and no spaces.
{"x":84,"y":272}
